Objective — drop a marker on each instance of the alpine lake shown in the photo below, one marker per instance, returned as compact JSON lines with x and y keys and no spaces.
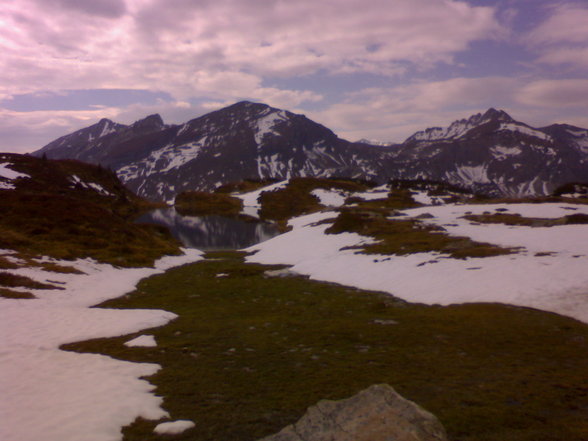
{"x":211,"y":232}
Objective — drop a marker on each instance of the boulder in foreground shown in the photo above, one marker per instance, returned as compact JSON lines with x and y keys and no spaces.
{"x":377,"y":413}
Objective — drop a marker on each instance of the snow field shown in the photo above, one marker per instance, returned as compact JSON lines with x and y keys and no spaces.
{"x":556,"y":282}
{"x":55,"y":395}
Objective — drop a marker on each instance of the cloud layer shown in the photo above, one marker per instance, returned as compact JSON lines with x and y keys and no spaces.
{"x":207,"y":53}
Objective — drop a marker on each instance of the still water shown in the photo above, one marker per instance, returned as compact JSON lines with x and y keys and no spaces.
{"x":210,"y":232}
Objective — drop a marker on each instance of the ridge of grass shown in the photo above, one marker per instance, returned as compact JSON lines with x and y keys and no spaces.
{"x":295,"y":199}
{"x":49,"y":214}
{"x":403,"y":236}
{"x":198,"y":203}
{"x":15,"y":280}
{"x":12,"y":294}
{"x":249,"y":353}
{"x":518,"y":220}
{"x":245,"y":186}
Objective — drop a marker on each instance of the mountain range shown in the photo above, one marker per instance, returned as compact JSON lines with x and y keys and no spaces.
{"x":488,"y":153}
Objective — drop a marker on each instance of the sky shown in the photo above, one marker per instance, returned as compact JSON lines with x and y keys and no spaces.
{"x":375,"y":69}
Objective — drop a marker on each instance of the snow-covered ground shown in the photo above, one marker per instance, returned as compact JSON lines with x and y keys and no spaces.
{"x":549,"y":273}
{"x":251,"y":206}
{"x":52,"y":395}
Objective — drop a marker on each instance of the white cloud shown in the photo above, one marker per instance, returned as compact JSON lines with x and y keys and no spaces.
{"x":555,"y":93}
{"x":394,"y":114}
{"x":191,"y":48}
{"x":562,"y":39}
{"x":565,"y":24}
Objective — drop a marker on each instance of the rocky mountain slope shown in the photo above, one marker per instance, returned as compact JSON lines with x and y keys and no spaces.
{"x":490,"y":153}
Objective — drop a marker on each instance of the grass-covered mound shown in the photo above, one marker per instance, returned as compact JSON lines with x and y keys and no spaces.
{"x":199,"y":203}
{"x":296,"y":199}
{"x":68,"y":209}
{"x":402,"y":236}
{"x":249,"y":353}
{"x":245,"y":186}
{"x":517,"y":219}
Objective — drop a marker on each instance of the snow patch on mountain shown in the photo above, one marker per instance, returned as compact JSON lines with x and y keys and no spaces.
{"x":265,"y":125}
{"x":109,"y":127}
{"x":514,"y":127}
{"x":501,"y":153}
{"x":469,"y":174}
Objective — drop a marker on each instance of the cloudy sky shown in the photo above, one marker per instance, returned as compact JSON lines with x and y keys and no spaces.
{"x":378,"y":69}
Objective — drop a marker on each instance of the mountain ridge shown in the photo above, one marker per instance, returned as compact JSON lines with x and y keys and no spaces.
{"x":487,"y":152}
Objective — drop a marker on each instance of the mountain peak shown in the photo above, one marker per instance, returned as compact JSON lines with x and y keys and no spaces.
{"x":151,"y":121}
{"x":496,"y":115}
{"x":105,"y":121}
{"x":460,"y":127}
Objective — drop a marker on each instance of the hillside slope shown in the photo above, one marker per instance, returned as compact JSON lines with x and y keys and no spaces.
{"x":68,"y":209}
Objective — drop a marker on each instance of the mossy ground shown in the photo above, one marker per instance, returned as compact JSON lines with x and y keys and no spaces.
{"x":249,"y":353}
{"x":12,"y":294}
{"x":517,"y":219}
{"x":11,"y":280}
{"x":402,"y":236}
{"x":296,"y":199}
{"x":50,"y":215}
{"x":198,"y":203}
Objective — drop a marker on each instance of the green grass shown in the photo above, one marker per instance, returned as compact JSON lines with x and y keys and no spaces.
{"x":517,"y":219}
{"x":15,"y":280}
{"x":50,"y":215}
{"x":198,"y":203}
{"x":245,"y":186}
{"x":249,"y":353}
{"x":296,"y":198}
{"x":12,"y":294}
{"x":403,"y":236}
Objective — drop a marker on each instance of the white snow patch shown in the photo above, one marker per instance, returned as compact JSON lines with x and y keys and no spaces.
{"x":6,"y":185}
{"x":265,"y":124}
{"x":173,"y":427}
{"x":10,"y":174}
{"x":250,"y":204}
{"x":144,"y":341}
{"x":107,"y":129}
{"x":557,"y":282}
{"x":501,"y":152}
{"x":330,"y":198}
{"x":380,"y":192}
{"x":90,"y":185}
{"x":513,"y":127}
{"x":470,"y":174}
{"x":422,"y":197}
{"x":52,"y":395}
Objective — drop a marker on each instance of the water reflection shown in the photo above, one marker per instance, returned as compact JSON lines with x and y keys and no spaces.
{"x":210,"y":232}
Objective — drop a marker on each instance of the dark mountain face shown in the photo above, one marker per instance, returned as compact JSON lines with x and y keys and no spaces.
{"x":487,"y":152}
{"x":243,"y":141}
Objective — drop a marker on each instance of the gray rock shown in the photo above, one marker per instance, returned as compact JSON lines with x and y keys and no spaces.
{"x":377,"y":413}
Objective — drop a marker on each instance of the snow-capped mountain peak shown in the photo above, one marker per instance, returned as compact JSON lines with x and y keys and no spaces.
{"x":461,"y":127}
{"x":488,"y":152}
